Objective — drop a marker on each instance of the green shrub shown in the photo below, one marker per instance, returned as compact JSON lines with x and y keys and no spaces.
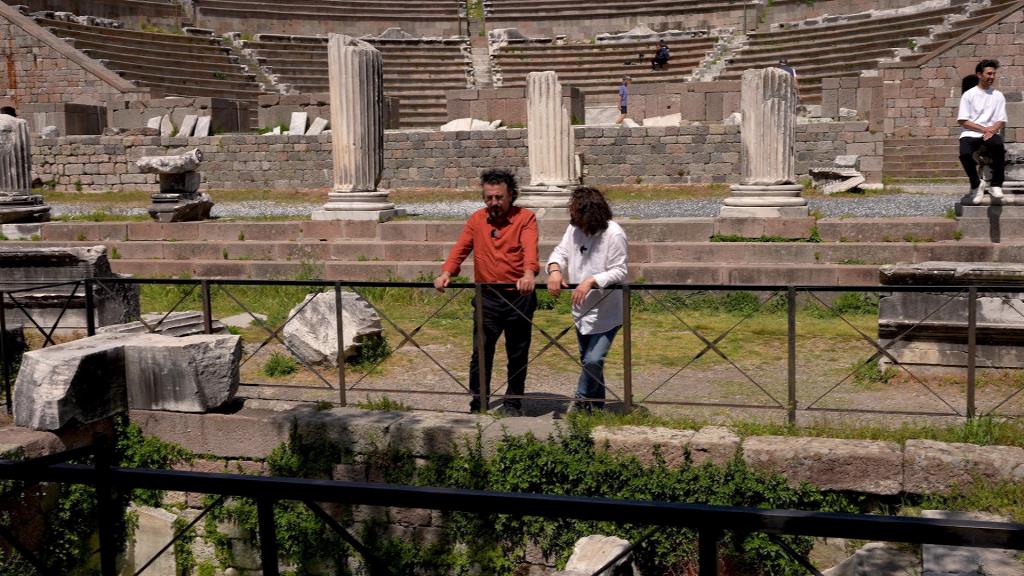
{"x":279,"y":365}
{"x":384,"y":404}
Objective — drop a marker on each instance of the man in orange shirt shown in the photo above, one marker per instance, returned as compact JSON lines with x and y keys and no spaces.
{"x":503,"y":240}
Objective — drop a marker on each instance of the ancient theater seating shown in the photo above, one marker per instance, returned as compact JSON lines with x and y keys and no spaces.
{"x":170,"y":64}
{"x":833,"y":50}
{"x":417,"y":72}
{"x":597,"y":68}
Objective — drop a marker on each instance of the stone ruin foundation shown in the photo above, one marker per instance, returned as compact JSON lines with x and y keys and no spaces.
{"x":940,"y":341}
{"x":179,"y":198}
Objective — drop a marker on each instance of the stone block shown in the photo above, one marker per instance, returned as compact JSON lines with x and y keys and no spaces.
{"x":188,"y":374}
{"x":497,"y":431}
{"x":77,"y":382}
{"x":857,"y":465}
{"x":312,"y":331}
{"x":154,"y":529}
{"x":715,"y":445}
{"x":591,"y":553}
{"x":248,"y":433}
{"x":963,"y":560}
{"x":646,"y":444}
{"x":360,"y":431}
{"x":425,"y":433}
{"x":941,"y":467}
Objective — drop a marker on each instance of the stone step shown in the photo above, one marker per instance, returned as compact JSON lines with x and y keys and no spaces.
{"x":996,"y":229}
{"x":674,"y":272}
{"x":927,"y":173}
{"x":893,"y":165}
{"x":650,"y":230}
{"x":909,"y":248}
{"x":72,"y":27}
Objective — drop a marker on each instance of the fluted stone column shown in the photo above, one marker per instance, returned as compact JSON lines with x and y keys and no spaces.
{"x":17,"y":203}
{"x":768,"y":159}
{"x":552,"y":147}
{"x":356,"y":76}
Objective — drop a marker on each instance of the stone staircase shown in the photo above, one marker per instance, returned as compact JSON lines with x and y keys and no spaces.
{"x":922,"y":158}
{"x":677,"y":250}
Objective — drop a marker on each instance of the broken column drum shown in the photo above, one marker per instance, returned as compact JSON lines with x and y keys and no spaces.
{"x":179,"y":199}
{"x":17,"y":203}
{"x":552,"y":146}
{"x":767,"y":134}
{"x":356,"y":76}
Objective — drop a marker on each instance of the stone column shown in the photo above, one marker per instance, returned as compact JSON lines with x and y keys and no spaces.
{"x":356,"y":75}
{"x":552,"y":147}
{"x":17,"y":203}
{"x":768,"y":160}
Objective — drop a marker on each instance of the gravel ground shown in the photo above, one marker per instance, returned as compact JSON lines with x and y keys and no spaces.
{"x":878,"y":206}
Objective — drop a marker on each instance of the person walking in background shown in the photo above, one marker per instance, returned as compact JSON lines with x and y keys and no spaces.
{"x":624,"y":98}
{"x":661,"y":56}
{"x":981,"y":116}
{"x":785,"y":67}
{"x":503,"y":240}
{"x":593,"y":255}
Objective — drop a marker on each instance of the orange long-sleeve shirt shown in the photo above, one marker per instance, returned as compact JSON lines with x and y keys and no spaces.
{"x":501,"y":254}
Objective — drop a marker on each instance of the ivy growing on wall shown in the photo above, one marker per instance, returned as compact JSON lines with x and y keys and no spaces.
{"x":496,"y":544}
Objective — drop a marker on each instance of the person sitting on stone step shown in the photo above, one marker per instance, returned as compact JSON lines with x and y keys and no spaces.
{"x":981,"y":116}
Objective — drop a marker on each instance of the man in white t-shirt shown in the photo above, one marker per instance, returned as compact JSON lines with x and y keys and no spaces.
{"x":982,"y":115}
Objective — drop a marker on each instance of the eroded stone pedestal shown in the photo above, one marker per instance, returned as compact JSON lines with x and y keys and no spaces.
{"x":179,"y":199}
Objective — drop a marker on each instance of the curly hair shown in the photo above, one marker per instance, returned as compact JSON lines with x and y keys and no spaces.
{"x":498,"y":176}
{"x":986,"y":64}
{"x":589,"y":211}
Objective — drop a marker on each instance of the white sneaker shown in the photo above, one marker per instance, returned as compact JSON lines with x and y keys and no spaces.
{"x":996,"y":192}
{"x":977,"y":195}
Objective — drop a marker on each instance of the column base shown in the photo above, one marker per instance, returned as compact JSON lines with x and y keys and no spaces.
{"x":546,"y":201}
{"x":770,"y":201}
{"x":174,"y":207}
{"x":23,"y":208}
{"x":360,"y":215}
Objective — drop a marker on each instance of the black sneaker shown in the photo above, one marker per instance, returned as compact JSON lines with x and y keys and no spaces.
{"x":507,"y":411}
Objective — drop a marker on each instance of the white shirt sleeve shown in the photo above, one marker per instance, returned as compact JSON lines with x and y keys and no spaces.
{"x":1000,"y":114}
{"x":615,"y":262}
{"x":560,"y":253}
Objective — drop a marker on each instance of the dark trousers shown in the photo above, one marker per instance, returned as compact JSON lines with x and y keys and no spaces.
{"x":509,"y":312}
{"x":993,"y":148}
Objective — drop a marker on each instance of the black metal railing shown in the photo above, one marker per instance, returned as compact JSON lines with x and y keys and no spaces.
{"x":709,"y":521}
{"x":788,"y":397}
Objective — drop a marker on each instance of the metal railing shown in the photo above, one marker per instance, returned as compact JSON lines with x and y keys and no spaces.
{"x":785,"y":298}
{"x":709,"y":521}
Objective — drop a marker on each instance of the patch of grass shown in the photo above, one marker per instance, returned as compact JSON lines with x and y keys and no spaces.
{"x":383,"y":404}
{"x":957,"y":234}
{"x":114,"y":253}
{"x":279,"y":365}
{"x":1004,"y":498}
{"x":871,"y":375}
{"x":738,"y":238}
{"x":985,"y":431}
{"x":101,"y":216}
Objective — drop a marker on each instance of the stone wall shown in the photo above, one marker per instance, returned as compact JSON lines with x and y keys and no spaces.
{"x":70,"y":119}
{"x":506,"y":104}
{"x":921,"y":100}
{"x":133,"y":13}
{"x":780,"y":11}
{"x":432,"y":159}
{"x":863,"y":94}
{"x":865,"y":466}
{"x":227,"y":115}
{"x":276,"y":109}
{"x":38,"y":67}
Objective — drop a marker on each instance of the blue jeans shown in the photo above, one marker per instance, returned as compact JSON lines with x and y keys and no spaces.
{"x":593,"y":349}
